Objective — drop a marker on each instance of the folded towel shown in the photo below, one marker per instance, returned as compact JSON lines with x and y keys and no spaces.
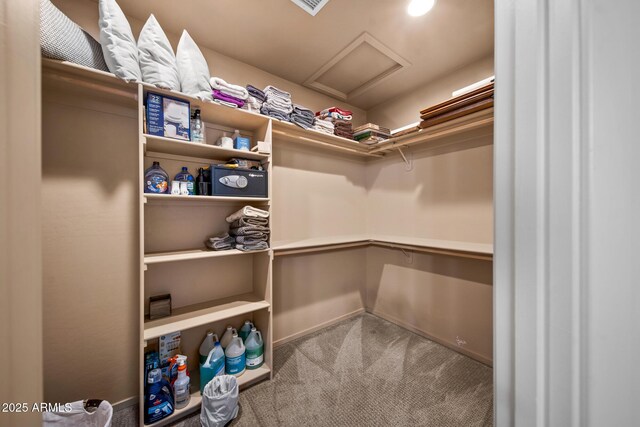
{"x":251,"y":230}
{"x":279,"y":104}
{"x":256,"y":93}
{"x":225,"y":103}
{"x":228,"y":88}
{"x":252,"y":104}
{"x":253,"y":247}
{"x":248,"y":211}
{"x":274,"y":91}
{"x":276,"y":113}
{"x":221,"y":243}
{"x":218,"y":94}
{"x":336,"y":110}
{"x":250,"y":240}
{"x":249,"y":221}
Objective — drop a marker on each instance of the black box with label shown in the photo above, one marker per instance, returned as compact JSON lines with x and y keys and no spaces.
{"x":237,"y":182}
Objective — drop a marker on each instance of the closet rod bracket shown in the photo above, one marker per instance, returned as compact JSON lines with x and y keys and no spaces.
{"x":408,"y":161}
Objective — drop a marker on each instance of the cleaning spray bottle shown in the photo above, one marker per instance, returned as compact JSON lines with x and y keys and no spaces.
{"x":181,"y":386}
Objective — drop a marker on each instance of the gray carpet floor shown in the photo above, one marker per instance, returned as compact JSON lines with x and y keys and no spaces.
{"x":365,"y":371}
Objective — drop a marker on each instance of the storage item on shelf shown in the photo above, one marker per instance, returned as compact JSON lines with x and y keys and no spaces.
{"x":250,"y":228}
{"x":207,"y":345}
{"x":277,"y":103}
{"x":193,"y":70}
{"x":247,"y":212}
{"x":470,"y":102}
{"x":212,"y":366}
{"x":235,"y":359}
{"x":245,"y":330}
{"x":156,"y":180}
{"x":159,"y":306}
{"x":227,"y":336}
{"x":371,"y":133}
{"x":254,"y":345}
{"x":219,"y":401}
{"x":185,"y":177}
{"x":157,"y":59}
{"x":336,"y":113}
{"x":203,"y":182}
{"x":237,"y":162}
{"x":181,"y":386}
{"x":302,"y":117}
{"x":158,"y":399}
{"x":406,"y":130}
{"x":343,"y":129}
{"x":227,"y":100}
{"x":175,"y":188}
{"x":91,"y":412}
{"x":168,"y":348}
{"x":223,"y":242}
{"x":167,"y":116}
{"x":241,"y":142}
{"x":238,"y":182}
{"x":341,"y":120}
{"x":237,"y":92}
{"x":118,"y":44}
{"x":263,"y":147}
{"x":255,"y":100}
{"x":197,"y":127}
{"x":256,"y":93}
{"x":324,"y":126}
{"x":225,"y":142}
{"x":64,"y":40}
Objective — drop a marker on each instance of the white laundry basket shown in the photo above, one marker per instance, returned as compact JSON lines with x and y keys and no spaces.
{"x":90,"y":413}
{"x":219,"y":401}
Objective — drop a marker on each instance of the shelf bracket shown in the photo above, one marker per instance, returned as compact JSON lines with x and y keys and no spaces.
{"x":409,"y":255}
{"x":408,"y":162}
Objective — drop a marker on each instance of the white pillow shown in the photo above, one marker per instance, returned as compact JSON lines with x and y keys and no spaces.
{"x":157,"y":60}
{"x":192,"y":69}
{"x":118,"y":44}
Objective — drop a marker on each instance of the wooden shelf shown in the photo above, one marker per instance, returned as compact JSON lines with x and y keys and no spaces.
{"x":162,"y":257}
{"x":204,"y":313}
{"x":151,"y":197}
{"x":472,"y":250}
{"x":249,"y":377}
{"x":160,"y":144}
{"x":284,"y":131}
{"x":212,"y":112}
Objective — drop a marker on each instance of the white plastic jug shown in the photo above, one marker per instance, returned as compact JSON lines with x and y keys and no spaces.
{"x":235,"y":359}
{"x":207,"y":346}
{"x":227,"y":336}
{"x":213,"y":366}
{"x":254,"y":349}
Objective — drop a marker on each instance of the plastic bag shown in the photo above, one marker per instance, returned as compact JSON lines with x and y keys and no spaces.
{"x":75,"y":415}
{"x":219,"y":401}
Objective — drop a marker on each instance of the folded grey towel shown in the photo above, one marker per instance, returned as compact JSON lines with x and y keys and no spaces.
{"x":221,"y":243}
{"x":250,"y":240}
{"x":251,"y":230}
{"x":248,"y":211}
{"x":249,"y":221}
{"x":254,"y":247}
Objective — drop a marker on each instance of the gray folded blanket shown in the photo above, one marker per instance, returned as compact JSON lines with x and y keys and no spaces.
{"x":251,"y":230}
{"x":253,"y":247}
{"x":250,"y":240}
{"x":222,"y":242}
{"x":248,"y":221}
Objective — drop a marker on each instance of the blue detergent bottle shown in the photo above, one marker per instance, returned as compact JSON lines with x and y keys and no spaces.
{"x":156,"y":180}
{"x":213,"y":366}
{"x":158,"y":399}
{"x":185,"y":176}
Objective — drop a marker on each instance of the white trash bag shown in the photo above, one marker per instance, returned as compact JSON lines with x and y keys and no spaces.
{"x":91,"y":413}
{"x":219,"y":401}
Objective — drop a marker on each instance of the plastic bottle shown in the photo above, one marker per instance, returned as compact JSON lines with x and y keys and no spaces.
{"x":235,"y":360}
{"x":245,"y":330}
{"x":202,"y":183}
{"x":181,"y":386}
{"x":197,"y":128}
{"x":207,"y":345}
{"x":213,"y":365}
{"x":185,"y":176}
{"x":227,"y":336}
{"x":156,"y":180}
{"x":255,"y":349}
{"x":158,"y":399}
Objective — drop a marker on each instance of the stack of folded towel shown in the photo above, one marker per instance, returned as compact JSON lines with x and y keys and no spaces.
{"x":371,"y":133}
{"x":341,"y":120}
{"x":343,"y":128}
{"x":277,"y":103}
{"x":222,"y":242}
{"x":302,"y":116}
{"x":250,"y":228}
{"x":324,"y":126}
{"x":255,"y":100}
{"x":228,"y":94}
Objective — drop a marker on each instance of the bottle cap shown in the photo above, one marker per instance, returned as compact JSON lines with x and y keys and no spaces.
{"x":254,"y":329}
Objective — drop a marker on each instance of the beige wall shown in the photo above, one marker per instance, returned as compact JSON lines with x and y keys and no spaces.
{"x":85,"y":13}
{"x":20,"y":237}
{"x":405,"y":108}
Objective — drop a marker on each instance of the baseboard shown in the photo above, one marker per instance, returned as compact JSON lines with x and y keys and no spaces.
{"x":405,"y":325}
{"x":126,"y":403}
{"x":297,"y":335}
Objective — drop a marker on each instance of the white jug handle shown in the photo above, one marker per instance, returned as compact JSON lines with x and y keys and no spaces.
{"x":207,"y":362}
{"x":260,"y":335}
{"x":215,"y":336}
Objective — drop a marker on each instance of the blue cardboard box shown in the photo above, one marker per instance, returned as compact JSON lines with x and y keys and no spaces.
{"x":169,"y":117}
{"x":242,"y":143}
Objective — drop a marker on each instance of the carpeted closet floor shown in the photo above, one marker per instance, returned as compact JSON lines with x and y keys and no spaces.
{"x":366,"y":371}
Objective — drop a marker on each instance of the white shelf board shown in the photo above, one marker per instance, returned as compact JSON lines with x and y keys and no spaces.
{"x":447,"y":245}
{"x":162,"y":257}
{"x":195,"y":315}
{"x":160,"y":144}
{"x":249,"y":377}
{"x":320,"y":241}
{"x":150,"y":197}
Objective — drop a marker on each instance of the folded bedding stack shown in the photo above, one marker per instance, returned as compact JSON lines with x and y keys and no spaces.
{"x":370,"y":134}
{"x":341,"y":120}
{"x":277,"y":103}
{"x":222,"y":242}
{"x":302,"y":116}
{"x":250,"y":228}
{"x":471,"y":102}
{"x":324,"y":126}
{"x":255,"y":100}
{"x":228,"y":94}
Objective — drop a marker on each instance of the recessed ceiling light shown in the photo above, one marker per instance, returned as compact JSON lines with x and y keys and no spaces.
{"x":420,"y":7}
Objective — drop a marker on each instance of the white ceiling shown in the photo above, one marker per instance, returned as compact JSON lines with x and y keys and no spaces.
{"x":279,"y":37}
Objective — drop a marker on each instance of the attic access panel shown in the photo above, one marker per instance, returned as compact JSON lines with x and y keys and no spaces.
{"x":357,"y":68}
